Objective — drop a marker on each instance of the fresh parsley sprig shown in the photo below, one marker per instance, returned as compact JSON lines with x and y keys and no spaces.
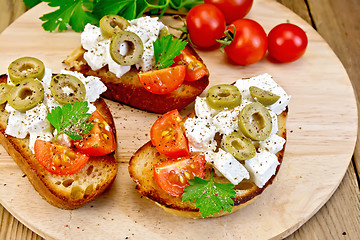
{"x":210,"y":196}
{"x":77,"y":13}
{"x":166,"y":49}
{"x":71,"y":120}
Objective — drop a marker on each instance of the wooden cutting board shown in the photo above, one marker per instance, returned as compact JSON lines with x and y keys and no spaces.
{"x":322,"y":127}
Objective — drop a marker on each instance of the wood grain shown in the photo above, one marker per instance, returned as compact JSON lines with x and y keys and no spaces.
{"x":321,"y":226}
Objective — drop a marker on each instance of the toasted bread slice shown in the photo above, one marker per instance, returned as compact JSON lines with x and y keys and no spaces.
{"x":141,"y":171}
{"x":67,"y":192}
{"x":128,"y":89}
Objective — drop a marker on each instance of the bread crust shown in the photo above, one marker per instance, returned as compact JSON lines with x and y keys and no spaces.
{"x":66,"y":192}
{"x":140,"y":170}
{"x":128,"y":89}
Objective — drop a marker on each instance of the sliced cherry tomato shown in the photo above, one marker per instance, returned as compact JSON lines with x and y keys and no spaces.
{"x":205,"y":24}
{"x":287,"y":42}
{"x":100,"y":140}
{"x":195,"y":69}
{"x":164,"y":80}
{"x":58,"y":159}
{"x":249,"y":44}
{"x":173,"y":175}
{"x":168,"y":136}
{"x":232,"y":9}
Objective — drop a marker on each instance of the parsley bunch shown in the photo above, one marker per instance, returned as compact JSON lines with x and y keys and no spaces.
{"x":210,"y":196}
{"x":77,"y":13}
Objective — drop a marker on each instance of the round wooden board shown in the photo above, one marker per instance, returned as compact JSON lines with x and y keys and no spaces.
{"x":322,"y":127}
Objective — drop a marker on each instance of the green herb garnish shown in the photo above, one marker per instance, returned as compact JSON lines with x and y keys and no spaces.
{"x":166,"y":49}
{"x":71,"y":120}
{"x":77,"y":13}
{"x":210,"y":196}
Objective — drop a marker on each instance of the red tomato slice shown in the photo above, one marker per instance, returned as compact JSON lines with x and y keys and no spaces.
{"x":58,"y":159}
{"x":195,"y":69}
{"x":100,"y":140}
{"x":164,"y":80}
{"x":168,"y":136}
{"x":173,"y":175}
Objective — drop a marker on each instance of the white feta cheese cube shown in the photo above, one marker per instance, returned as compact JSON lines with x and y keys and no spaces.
{"x":265,"y":82}
{"x":226,"y":122}
{"x":228,"y":166}
{"x":200,"y":134}
{"x":274,"y":143}
{"x":262,"y":167}
{"x":274,"y":121}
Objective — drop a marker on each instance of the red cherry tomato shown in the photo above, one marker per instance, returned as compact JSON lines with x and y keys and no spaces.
{"x":168,"y":136}
{"x":205,"y":23}
{"x":100,"y":140}
{"x":195,"y":69}
{"x":287,"y":42}
{"x":250,"y":42}
{"x":173,"y":175}
{"x":164,"y":80}
{"x":232,"y":9}
{"x":58,"y":159}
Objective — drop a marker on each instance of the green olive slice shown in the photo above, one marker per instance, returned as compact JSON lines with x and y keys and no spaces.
{"x":255,"y":121}
{"x":112,"y":24}
{"x":26,"y":67}
{"x":67,"y":88}
{"x":163,"y":32}
{"x":239,"y":146}
{"x":26,"y":94}
{"x":135,"y":48}
{"x":223,"y":96}
{"x":264,"y":97}
{"x":4,"y":92}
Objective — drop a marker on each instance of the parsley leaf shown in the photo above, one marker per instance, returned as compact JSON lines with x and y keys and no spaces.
{"x":71,"y":120}
{"x":210,"y":196}
{"x":166,"y":49}
{"x":70,"y":13}
{"x":31,"y":3}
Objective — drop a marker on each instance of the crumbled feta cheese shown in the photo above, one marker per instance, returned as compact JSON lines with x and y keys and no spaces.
{"x":98,"y":47}
{"x":93,"y":85}
{"x":91,"y":36}
{"x":274,"y":143}
{"x":200,"y":133}
{"x":148,"y":29}
{"x":203,"y":110}
{"x":228,"y":166}
{"x":113,"y":66}
{"x":32,"y":122}
{"x":265,"y":82}
{"x":262,"y":167}
{"x":96,"y":56}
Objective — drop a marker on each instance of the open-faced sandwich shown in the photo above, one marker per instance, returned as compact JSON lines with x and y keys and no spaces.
{"x":59,"y":131}
{"x":221,"y":157}
{"x":141,"y":64}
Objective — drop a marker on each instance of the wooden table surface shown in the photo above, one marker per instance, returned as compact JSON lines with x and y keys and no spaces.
{"x":337,"y":22}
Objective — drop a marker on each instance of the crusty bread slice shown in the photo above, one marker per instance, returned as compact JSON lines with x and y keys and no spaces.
{"x":129,"y":90}
{"x":67,"y":192}
{"x":141,"y":171}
